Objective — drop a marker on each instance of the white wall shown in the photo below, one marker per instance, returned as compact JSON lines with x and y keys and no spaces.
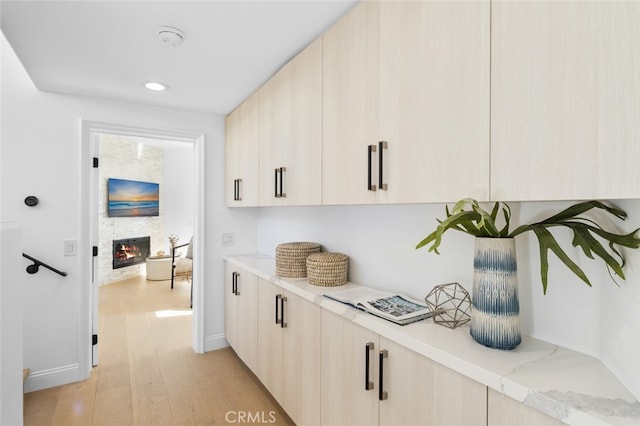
{"x":178,"y":192}
{"x":41,"y":145}
{"x":602,"y":321}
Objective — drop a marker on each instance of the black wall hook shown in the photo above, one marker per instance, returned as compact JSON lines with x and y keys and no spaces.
{"x":31,"y":201}
{"x":32,"y":269}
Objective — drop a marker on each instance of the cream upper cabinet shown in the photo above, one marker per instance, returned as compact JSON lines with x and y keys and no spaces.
{"x":232,"y":155}
{"x":350,"y":106}
{"x":290,"y":113}
{"x":434,"y":100}
{"x":242,"y":154}
{"x":406,"y":103}
{"x":565,"y":100}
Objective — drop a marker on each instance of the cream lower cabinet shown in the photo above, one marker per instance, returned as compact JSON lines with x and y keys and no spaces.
{"x":289,"y":351}
{"x":504,"y":411}
{"x":241,"y":318}
{"x":369,"y":380}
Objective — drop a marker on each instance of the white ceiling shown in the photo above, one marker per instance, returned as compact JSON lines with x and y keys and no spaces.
{"x":109,"y":49}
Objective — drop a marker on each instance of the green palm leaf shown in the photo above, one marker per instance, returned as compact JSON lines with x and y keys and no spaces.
{"x":468,"y":216}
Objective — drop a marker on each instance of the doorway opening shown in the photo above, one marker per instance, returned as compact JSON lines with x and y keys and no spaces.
{"x":180,"y":215}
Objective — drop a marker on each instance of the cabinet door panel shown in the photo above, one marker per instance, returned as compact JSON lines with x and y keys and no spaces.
{"x":504,"y":411}
{"x":422,"y":391}
{"x":248,"y":162}
{"x":345,"y":401}
{"x":565,"y":100}
{"x":232,"y":154}
{"x":302,"y":361}
{"x":350,"y":105}
{"x":241,"y":317}
{"x":270,"y":340}
{"x":434,"y":100}
{"x":290,"y":131}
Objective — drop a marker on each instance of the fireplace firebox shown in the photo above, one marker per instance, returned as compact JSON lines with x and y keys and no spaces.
{"x":130,"y":251}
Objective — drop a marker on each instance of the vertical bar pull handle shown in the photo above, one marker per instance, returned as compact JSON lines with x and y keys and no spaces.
{"x":235,"y":190}
{"x":282,"y":194}
{"x":382,"y":394}
{"x":282,"y":300}
{"x":278,"y":296}
{"x":368,"y":385}
{"x":275,"y":194}
{"x":237,"y":292}
{"x":233,"y":282}
{"x":238,"y":197}
{"x":382,"y":145}
{"x":370,"y":150}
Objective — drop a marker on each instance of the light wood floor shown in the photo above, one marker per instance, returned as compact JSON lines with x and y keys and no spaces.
{"x":148,"y":374}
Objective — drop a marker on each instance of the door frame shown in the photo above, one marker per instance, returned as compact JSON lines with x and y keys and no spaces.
{"x":88,"y":228}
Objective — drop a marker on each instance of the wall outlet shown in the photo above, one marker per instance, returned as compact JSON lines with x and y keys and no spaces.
{"x":228,"y":239}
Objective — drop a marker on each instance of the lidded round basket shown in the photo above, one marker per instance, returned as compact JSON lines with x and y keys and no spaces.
{"x":291,"y":258}
{"x":327,"y":269}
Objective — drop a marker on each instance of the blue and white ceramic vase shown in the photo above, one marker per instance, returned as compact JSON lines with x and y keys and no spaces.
{"x":495,"y":315}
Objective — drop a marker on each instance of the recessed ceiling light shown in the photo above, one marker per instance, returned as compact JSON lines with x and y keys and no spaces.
{"x":156,"y":86}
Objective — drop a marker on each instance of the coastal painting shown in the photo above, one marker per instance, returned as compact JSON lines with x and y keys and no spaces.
{"x":130,"y":198}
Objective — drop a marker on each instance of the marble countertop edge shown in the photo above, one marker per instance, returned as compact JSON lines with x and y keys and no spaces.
{"x":539,"y":374}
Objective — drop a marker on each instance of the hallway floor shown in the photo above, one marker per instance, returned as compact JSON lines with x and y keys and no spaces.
{"x":149,"y":375}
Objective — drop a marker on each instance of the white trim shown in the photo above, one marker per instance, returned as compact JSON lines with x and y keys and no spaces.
{"x":214,"y":342}
{"x":88,"y":129}
{"x":45,"y":379}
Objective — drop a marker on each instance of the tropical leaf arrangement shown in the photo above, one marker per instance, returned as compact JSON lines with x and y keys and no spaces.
{"x":467,"y":216}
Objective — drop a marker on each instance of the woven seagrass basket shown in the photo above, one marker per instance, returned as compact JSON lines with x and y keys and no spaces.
{"x":291,"y":258}
{"x":327,"y":269}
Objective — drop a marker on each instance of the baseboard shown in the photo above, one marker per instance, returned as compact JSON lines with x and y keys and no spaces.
{"x":58,"y":376}
{"x":214,"y":342}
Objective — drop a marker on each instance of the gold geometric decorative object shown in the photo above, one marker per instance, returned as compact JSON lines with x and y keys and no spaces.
{"x":452,"y":304}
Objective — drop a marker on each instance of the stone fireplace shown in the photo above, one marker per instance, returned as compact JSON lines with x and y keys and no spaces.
{"x":130,"y":251}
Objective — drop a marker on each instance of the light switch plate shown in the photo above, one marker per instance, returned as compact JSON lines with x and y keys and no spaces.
{"x":228,"y":239}
{"x":70,"y":247}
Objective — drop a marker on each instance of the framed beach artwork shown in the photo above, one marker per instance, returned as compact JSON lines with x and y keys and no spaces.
{"x":130,"y":198}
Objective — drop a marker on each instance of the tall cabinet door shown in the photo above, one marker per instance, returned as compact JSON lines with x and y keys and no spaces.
{"x":232,"y":155}
{"x":434,"y":100}
{"x":350,"y":105}
{"x":248,"y":162}
{"x":291,"y":132}
{"x":565,"y":100}
{"x":302,"y":360}
{"x":349,"y":381}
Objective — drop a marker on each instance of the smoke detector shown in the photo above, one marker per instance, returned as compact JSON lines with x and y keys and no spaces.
{"x":170,"y":36}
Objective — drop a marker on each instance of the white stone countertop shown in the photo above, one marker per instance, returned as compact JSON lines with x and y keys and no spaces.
{"x":573,"y":387}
